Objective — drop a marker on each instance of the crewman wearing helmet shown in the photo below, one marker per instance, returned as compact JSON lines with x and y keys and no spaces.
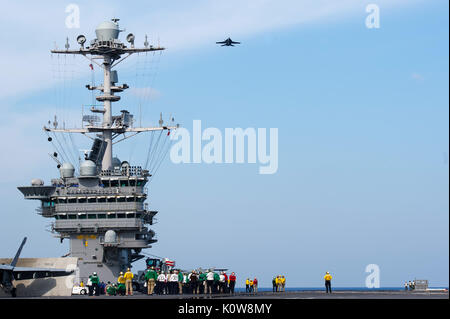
{"x":95,"y":280}
{"x":121,"y":284}
{"x":327,"y":278}
{"x":128,"y":282}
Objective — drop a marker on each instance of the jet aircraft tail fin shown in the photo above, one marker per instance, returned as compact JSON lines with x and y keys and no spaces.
{"x":16,"y":258}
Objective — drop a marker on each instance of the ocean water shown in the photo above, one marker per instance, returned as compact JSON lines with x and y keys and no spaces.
{"x":335,"y":289}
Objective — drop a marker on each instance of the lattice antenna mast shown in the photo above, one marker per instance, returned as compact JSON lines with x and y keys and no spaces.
{"x":109,"y":50}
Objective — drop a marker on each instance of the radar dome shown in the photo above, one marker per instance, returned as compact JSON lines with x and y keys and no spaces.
{"x":37,"y":182}
{"x":107,"y":30}
{"x":66,"y":170}
{"x":110,"y":237}
{"x":88,"y":168}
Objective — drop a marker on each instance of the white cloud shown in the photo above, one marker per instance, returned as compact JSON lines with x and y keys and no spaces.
{"x":33,"y":28}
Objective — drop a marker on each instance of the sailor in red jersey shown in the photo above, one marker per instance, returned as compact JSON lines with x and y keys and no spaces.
{"x":232,"y":282}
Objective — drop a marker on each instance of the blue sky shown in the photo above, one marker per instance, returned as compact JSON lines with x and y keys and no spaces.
{"x":363,"y":128}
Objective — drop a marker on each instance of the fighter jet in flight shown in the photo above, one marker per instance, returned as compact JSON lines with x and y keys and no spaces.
{"x":228,"y":42}
{"x":10,"y":273}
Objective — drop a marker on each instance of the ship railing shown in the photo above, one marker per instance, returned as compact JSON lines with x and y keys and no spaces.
{"x":94,"y":191}
{"x":46,"y":211}
{"x":124,"y":171}
{"x":86,"y":207}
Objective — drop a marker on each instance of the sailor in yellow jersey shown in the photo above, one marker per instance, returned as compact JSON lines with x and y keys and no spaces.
{"x":128,"y":282}
{"x":283,"y":282}
{"x":277,"y":283}
{"x":328,"y":278}
{"x":121,"y":286}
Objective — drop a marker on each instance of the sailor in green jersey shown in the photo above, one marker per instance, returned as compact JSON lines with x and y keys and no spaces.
{"x":95,"y":280}
{"x":111,"y":289}
{"x":201,"y":282}
{"x":180,"y":282}
{"x":150,"y":277}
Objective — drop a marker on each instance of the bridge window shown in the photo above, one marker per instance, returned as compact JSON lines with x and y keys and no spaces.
{"x":48,"y":204}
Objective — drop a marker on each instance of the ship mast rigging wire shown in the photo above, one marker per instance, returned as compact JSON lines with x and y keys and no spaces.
{"x":67,"y":70}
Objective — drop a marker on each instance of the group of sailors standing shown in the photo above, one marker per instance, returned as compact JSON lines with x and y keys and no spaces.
{"x":278,"y":283}
{"x":124,"y":285}
{"x":251,"y":285}
{"x":176,"y":282}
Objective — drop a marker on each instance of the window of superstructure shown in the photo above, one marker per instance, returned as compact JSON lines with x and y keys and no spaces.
{"x":82,"y":216}
{"x":48,"y":204}
{"x":114,"y":183}
{"x":132,"y":182}
{"x":111,"y":199}
{"x":82,"y":200}
{"x":111,"y":216}
{"x":101,"y":216}
{"x":131,"y":199}
{"x":72,"y":216}
{"x":141,"y":199}
{"x":72,"y":200}
{"x":124,"y":183}
{"x":92,"y":200}
{"x":121,"y":215}
{"x":101,"y":200}
{"x":121,"y":199}
{"x":92,"y":216}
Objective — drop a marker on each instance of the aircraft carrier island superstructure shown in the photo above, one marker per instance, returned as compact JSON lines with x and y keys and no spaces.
{"x":102,"y":211}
